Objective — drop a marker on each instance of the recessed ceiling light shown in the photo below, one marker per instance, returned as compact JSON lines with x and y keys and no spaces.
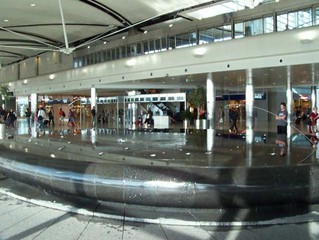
{"x":123,"y":37}
{"x":6,"y":20}
{"x":104,"y":42}
{"x":145,"y":31}
{"x":32,"y":5}
{"x":171,"y":25}
{"x":89,"y":46}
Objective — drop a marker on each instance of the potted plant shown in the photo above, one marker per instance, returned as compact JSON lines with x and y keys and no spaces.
{"x":187,"y":117}
{"x":4,"y":95}
{"x":197,"y":99}
{"x":4,"y":92}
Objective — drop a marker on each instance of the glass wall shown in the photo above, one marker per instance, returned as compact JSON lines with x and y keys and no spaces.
{"x":265,"y":24}
{"x":293,"y":20}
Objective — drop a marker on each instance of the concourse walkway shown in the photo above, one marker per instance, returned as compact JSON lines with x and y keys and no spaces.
{"x":39,"y":219}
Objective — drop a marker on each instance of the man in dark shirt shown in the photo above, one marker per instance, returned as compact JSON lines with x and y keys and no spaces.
{"x":281,"y":118}
{"x":93,"y":113}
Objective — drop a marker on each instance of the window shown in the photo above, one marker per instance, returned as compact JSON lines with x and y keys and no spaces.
{"x":268,"y":24}
{"x":254,"y":27}
{"x":157,"y":45}
{"x":123,"y":52}
{"x":171,"y":43}
{"x":216,"y":34}
{"x":206,"y":36}
{"x":293,"y":20}
{"x":164,"y":44}
{"x":152,"y":46}
{"x":304,"y":18}
{"x":316,"y":16}
{"x":139,"y":49}
{"x":113,"y":54}
{"x":239,"y":30}
{"x":146,"y":49}
{"x":185,"y":40}
{"x":282,"y":22}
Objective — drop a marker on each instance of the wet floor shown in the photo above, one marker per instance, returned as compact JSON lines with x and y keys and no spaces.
{"x":190,"y":147}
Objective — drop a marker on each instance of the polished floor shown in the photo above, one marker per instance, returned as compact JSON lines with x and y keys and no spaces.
{"x":29,"y":213}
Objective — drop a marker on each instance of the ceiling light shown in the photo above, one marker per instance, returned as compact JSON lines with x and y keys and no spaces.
{"x":6,"y":20}
{"x":145,"y":31}
{"x":32,"y":5}
{"x":51,"y":76}
{"x":123,"y":37}
{"x":104,"y":42}
{"x":89,"y":47}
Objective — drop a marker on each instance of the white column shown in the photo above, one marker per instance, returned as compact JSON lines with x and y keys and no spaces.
{"x":93,"y":104}
{"x":313,"y":97}
{"x":210,"y":100}
{"x":314,"y":90}
{"x":249,"y":100}
{"x":93,"y":98}
{"x":34,"y":102}
{"x":34,"y":106}
{"x":249,"y":97}
{"x":289,"y":101}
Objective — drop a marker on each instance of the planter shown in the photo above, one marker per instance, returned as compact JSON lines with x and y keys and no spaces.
{"x":186,"y":124}
{"x":197,"y":123}
{"x":203,"y":124}
{"x":2,"y":131}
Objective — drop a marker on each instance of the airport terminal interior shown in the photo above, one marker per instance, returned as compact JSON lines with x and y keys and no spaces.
{"x":159,"y":119}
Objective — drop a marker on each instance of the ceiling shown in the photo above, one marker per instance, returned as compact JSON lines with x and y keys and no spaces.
{"x":30,"y":27}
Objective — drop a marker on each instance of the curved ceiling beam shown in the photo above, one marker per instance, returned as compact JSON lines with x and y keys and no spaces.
{"x":117,"y":16}
{"x":14,"y":54}
{"x":32,"y":37}
{"x":54,"y":41}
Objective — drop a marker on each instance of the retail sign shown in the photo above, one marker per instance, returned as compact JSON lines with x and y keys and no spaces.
{"x":240,"y":96}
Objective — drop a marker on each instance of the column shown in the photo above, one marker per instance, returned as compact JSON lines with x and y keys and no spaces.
{"x":289,"y":96}
{"x":249,"y":100}
{"x":210,"y":100}
{"x":249,"y":96}
{"x":93,"y":104}
{"x":314,"y":89}
{"x":313,"y":97}
{"x":34,"y":107}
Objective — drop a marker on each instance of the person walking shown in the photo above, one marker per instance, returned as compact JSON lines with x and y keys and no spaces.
{"x":93,"y":114}
{"x":233,"y":116}
{"x":312,"y":127}
{"x":281,"y":118}
{"x":41,"y":117}
{"x":28,"y":116}
{"x":51,"y":117}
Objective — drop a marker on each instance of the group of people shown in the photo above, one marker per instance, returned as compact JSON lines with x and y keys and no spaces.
{"x":46,"y":118}
{"x":8,"y":117}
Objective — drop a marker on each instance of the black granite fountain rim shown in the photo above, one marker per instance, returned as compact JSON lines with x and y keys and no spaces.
{"x":165,"y":186}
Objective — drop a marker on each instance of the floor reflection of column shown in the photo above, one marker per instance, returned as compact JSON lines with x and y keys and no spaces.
{"x":93,"y":135}
{"x":249,"y":147}
{"x":211,"y":133}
